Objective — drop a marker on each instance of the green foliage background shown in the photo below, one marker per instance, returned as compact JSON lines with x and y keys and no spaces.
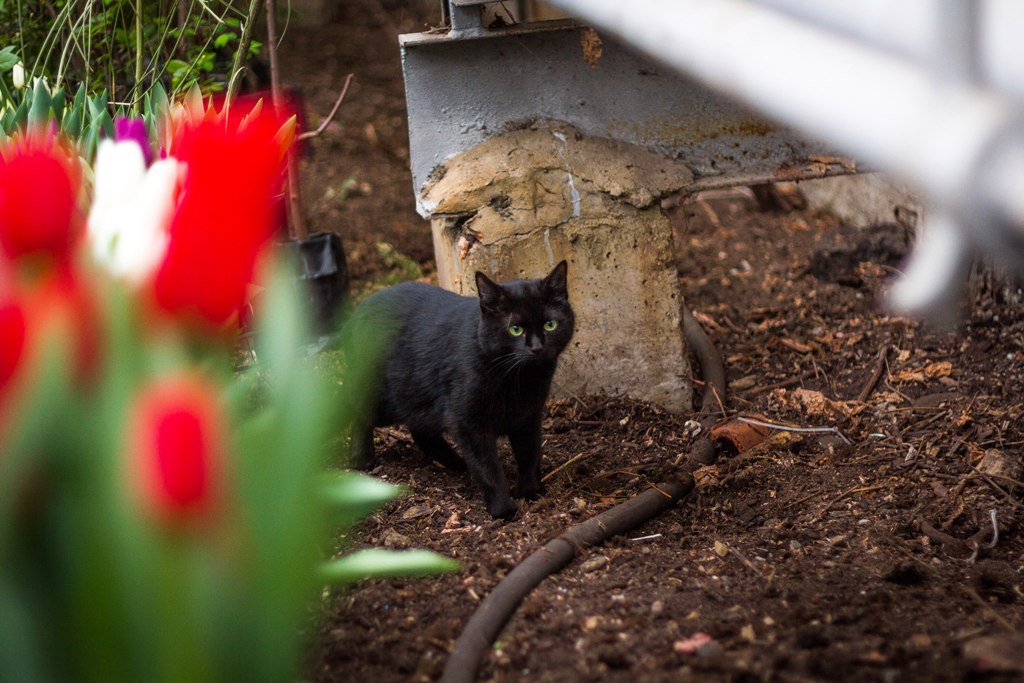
{"x":124,"y":47}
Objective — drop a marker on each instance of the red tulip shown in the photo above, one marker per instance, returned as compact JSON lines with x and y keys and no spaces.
{"x":39,"y":184}
{"x":229,"y":210}
{"x":176,"y":443}
{"x":59,"y":306}
{"x":13,"y":334}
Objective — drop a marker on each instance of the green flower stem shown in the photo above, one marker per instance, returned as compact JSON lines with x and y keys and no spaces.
{"x":137,"y":99}
{"x":243,"y":50}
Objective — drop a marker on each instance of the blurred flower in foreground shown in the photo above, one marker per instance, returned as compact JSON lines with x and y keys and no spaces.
{"x":134,"y":130}
{"x":198,"y":220}
{"x":229,"y":210}
{"x":175,"y":448}
{"x":39,"y":185}
{"x":132,"y":209}
{"x":115,"y":440}
{"x":13,"y":331}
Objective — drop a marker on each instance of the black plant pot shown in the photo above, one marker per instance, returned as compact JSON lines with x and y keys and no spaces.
{"x":321,"y":265}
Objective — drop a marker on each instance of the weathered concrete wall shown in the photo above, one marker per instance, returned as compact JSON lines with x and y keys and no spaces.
{"x":518,"y":203}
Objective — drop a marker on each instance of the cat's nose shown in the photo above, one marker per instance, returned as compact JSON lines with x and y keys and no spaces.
{"x":536,"y":347}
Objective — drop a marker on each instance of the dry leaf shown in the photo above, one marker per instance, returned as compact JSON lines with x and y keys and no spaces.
{"x":812,"y":402}
{"x":799,"y":347}
{"x":904,"y":376}
{"x":940,"y":369}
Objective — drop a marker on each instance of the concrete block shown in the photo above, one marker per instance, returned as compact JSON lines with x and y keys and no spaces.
{"x":518,"y":203}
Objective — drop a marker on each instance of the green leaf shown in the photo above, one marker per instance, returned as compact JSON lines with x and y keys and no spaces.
{"x":223,"y":39}
{"x":160,"y":103}
{"x":356,"y":495}
{"x":87,"y":145}
{"x":7,"y":59}
{"x":79,"y":101}
{"x":57,"y":104}
{"x":21,"y":113}
{"x":376,"y":562}
{"x":176,"y":67}
{"x":97,"y":105}
{"x":39,"y":114}
{"x":72,"y":123}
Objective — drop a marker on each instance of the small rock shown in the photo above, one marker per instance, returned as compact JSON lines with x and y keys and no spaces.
{"x":593,"y":564}
{"x":691,"y":645}
{"x":415,"y":512}
{"x":657,"y":607}
{"x":393,"y":539}
{"x":997,"y":463}
{"x":747,"y":633}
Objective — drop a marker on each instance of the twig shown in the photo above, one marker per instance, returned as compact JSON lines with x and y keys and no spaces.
{"x":991,"y":482}
{"x":565,"y":464}
{"x":296,"y":223}
{"x":950,"y":542}
{"x":746,"y":563}
{"x":988,"y":608}
{"x":240,"y":53}
{"x":844,"y":494}
{"x":330,"y":117}
{"x":802,"y":430}
{"x":876,"y":376}
{"x":757,"y":391}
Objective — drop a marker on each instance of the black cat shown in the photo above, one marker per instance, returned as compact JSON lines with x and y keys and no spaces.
{"x":441,"y":363}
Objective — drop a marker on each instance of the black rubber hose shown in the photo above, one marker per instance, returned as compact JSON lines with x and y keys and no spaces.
{"x":496,"y":609}
{"x":712,"y":371}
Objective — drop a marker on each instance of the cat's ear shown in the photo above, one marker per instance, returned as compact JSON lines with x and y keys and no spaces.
{"x":555,"y":283}
{"x":492,"y":296}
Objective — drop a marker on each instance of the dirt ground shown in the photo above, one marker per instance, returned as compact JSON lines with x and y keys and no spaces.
{"x":896,"y":557}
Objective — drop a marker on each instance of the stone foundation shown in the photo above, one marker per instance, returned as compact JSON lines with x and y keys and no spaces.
{"x":518,"y":203}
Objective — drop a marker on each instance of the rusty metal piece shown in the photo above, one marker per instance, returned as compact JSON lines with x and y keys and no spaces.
{"x":732,"y":437}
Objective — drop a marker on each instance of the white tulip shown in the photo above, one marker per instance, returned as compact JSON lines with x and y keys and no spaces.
{"x":18,"y":76}
{"x":132,"y":210}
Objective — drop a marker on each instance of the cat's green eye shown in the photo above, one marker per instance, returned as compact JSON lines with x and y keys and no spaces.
{"x":551,"y":325}
{"x":515,"y":330}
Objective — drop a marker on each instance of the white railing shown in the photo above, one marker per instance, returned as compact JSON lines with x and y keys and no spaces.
{"x":930,"y":90}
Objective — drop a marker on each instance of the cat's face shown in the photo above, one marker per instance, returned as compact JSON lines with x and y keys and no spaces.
{"x":525,"y":321}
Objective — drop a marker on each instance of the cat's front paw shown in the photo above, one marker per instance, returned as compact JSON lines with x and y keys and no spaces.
{"x":502,"y":508}
{"x":528,"y":490}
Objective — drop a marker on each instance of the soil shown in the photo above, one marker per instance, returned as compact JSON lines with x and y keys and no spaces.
{"x":804,"y":558}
